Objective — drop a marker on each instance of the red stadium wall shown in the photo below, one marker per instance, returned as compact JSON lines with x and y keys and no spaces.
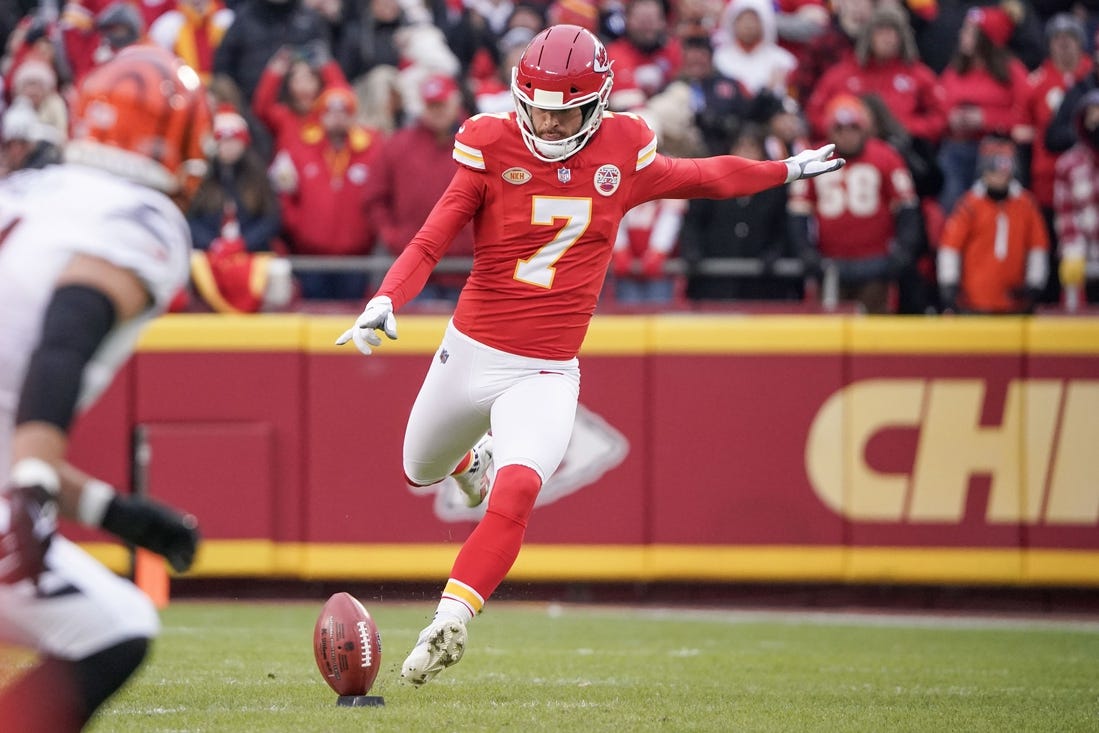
{"x":707,"y":448}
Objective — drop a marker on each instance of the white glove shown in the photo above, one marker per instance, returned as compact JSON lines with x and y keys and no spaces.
{"x":377,"y":314}
{"x":811,"y":163}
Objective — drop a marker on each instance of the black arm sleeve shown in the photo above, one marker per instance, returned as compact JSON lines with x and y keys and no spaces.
{"x":77,"y":320}
{"x":1061,"y":133}
{"x":910,"y":233}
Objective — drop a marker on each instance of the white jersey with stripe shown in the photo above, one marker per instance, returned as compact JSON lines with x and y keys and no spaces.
{"x":46,"y":217}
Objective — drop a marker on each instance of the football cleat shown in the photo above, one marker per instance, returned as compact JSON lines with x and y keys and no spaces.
{"x":474,"y":481}
{"x":440,"y":645}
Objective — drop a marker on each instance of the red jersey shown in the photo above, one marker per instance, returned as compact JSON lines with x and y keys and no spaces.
{"x":544,"y":232}
{"x":854,"y":206}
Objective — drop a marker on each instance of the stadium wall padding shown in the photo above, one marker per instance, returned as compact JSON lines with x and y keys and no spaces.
{"x":707,"y":447}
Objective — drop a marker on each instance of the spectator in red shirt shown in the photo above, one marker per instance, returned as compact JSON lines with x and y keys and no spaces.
{"x":985,"y":88}
{"x":992,"y":257}
{"x":321,"y":178}
{"x":646,"y":59}
{"x":288,"y":89}
{"x":886,"y":63}
{"x":867,"y":215}
{"x":411,"y":173}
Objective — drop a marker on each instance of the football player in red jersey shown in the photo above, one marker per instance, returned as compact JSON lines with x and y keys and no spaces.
{"x":546,"y":187}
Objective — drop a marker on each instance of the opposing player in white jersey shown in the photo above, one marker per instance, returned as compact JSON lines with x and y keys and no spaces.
{"x":90,"y":251}
{"x":546,"y":187}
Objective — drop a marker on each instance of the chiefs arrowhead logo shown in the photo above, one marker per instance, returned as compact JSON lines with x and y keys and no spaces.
{"x":602,"y":62}
{"x":595,"y":448}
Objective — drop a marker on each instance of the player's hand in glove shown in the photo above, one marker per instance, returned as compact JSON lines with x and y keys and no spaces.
{"x":378,"y":314}
{"x":155,"y":527}
{"x":28,"y":520}
{"x":811,"y":163}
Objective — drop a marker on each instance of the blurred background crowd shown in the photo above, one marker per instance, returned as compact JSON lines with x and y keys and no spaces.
{"x":971,"y":132}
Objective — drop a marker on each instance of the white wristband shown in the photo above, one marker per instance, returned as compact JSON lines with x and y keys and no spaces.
{"x":793,"y":170}
{"x":95,"y":497}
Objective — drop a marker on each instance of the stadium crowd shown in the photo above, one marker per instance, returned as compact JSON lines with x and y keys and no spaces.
{"x":971,"y":132}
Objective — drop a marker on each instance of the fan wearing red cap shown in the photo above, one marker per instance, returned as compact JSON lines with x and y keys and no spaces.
{"x":234,"y":219}
{"x":985,"y":89}
{"x":993,"y":22}
{"x":230,"y":125}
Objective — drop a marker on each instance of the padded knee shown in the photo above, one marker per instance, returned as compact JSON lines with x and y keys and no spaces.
{"x":514,"y":492}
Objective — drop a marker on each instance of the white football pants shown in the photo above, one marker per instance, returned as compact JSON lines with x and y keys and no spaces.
{"x":78,"y":607}
{"x":529,"y":405}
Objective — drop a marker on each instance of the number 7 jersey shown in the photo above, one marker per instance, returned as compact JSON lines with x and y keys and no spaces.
{"x":544,"y":232}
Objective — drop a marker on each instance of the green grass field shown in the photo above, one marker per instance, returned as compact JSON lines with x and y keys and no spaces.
{"x":248,"y":666}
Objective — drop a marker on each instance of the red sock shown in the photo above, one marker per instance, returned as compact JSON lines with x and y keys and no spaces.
{"x":463,"y":464}
{"x":488,"y":554}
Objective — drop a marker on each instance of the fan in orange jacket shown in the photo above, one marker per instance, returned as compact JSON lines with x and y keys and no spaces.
{"x":993,"y":252}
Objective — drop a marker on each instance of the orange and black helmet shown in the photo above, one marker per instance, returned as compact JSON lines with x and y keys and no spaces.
{"x":142,"y":107}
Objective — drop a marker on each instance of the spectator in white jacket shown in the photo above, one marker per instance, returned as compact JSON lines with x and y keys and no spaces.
{"x":746,"y":47}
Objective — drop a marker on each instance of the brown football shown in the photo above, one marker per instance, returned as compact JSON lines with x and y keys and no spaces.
{"x":347,"y":645}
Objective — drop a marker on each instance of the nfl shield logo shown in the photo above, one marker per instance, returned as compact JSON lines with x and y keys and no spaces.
{"x":564,"y":175}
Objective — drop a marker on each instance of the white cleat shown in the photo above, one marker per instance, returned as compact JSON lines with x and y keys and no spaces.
{"x":440,"y":645}
{"x":474,"y":481}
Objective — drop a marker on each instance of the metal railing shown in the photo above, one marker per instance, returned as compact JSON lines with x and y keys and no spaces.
{"x":378,"y":264}
{"x":788,"y":267}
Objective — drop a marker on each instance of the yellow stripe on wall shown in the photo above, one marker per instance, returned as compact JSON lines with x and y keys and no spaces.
{"x":641,"y":563}
{"x":1067,"y":336}
{"x":657,"y":334}
{"x":225,"y":332}
{"x":726,"y":334}
{"x":919,"y":335}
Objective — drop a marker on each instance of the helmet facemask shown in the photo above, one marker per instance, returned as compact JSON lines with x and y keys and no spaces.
{"x":552,"y":151}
